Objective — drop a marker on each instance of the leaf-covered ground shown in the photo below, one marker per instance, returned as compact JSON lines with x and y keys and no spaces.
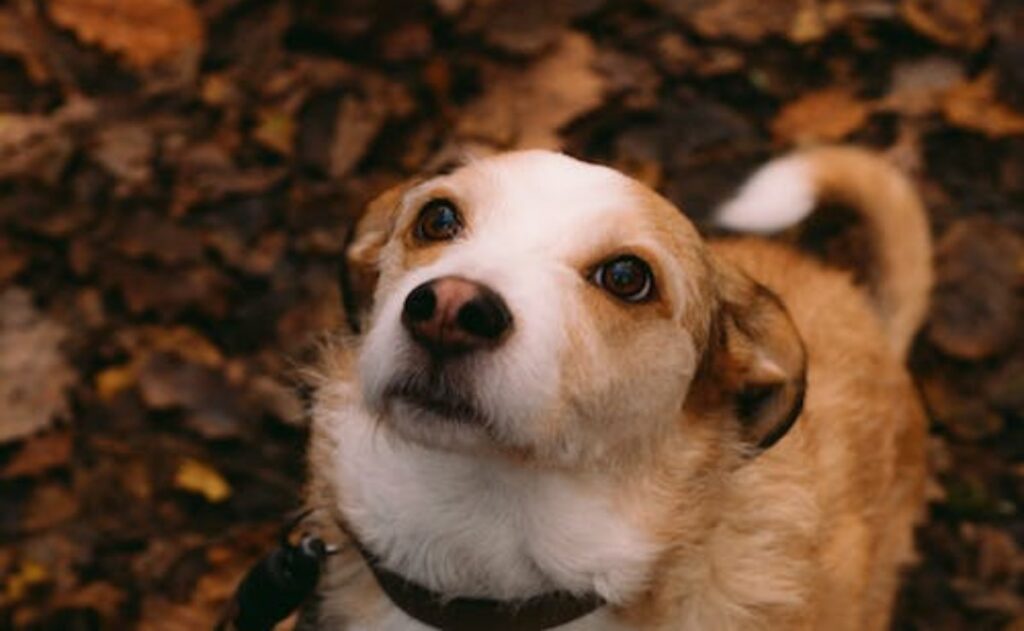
{"x":177,"y":182}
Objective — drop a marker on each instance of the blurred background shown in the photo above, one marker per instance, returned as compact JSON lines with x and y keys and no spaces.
{"x":178,"y":179}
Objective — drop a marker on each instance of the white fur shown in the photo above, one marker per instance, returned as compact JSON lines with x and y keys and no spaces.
{"x":425,"y":493}
{"x":778,"y":195}
{"x":468,"y":525}
{"x":531,"y":212}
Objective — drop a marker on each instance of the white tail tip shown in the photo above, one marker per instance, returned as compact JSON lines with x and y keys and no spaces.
{"x":777,"y":196}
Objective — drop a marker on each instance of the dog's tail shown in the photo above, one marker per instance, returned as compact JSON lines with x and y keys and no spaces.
{"x":786,"y":190}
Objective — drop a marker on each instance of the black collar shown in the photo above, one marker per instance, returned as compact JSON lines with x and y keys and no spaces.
{"x":473,"y":614}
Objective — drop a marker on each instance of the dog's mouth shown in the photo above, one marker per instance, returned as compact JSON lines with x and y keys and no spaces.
{"x":437,"y":396}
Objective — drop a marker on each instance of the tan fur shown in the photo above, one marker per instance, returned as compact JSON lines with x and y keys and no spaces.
{"x":811,"y":533}
{"x":902,"y":276}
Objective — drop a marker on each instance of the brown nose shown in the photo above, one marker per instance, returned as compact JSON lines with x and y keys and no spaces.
{"x":450,"y":315}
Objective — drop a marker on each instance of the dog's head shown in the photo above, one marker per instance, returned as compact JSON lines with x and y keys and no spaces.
{"x":551,"y":309}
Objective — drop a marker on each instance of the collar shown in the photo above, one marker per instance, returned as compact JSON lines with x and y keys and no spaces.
{"x":544,"y":611}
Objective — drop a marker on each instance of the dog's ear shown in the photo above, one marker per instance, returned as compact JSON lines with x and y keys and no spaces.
{"x":362,"y":256}
{"x":754,"y":369}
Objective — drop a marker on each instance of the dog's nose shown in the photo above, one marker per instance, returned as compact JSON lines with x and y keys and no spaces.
{"x":452,"y":315}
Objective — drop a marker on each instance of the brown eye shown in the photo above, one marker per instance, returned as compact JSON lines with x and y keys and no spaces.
{"x":439,"y":220}
{"x":626,"y":277}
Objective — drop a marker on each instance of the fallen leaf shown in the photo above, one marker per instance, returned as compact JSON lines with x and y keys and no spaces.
{"x":126,"y":151}
{"x":631,"y":76}
{"x":51,"y":504}
{"x":206,"y":172}
{"x":968,"y":418}
{"x":13,"y":260}
{"x":679,"y":56}
{"x":276,"y":131}
{"x":169,"y":291}
{"x":32,"y":146}
{"x":161,"y":614}
{"x":1006,"y":388}
{"x":279,"y":399}
{"x":524,"y":27}
{"x":799,"y":20}
{"x":142,"y":32}
{"x":919,"y":87}
{"x":38,"y":455}
{"x":408,"y":42}
{"x":824,"y":116}
{"x":356,"y":125}
{"x":38,"y":147}
{"x":34,"y":375}
{"x":975,"y":310}
{"x":960,"y":23}
{"x":15,"y":40}
{"x":27,"y":575}
{"x":1008,"y":24}
{"x":215,"y":407}
{"x":100,"y":596}
{"x":195,"y":477}
{"x":526,"y":109}
{"x":975,"y":106}
{"x":147,"y":235}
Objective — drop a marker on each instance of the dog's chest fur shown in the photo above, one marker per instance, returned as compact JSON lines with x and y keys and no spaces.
{"x":465,"y":526}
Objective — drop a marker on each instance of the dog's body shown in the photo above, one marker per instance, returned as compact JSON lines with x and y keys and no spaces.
{"x":623,"y":446}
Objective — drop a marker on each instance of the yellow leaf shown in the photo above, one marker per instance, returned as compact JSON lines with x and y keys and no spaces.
{"x":276,"y":130}
{"x":202,"y":479}
{"x":27,"y":575}
{"x":112,"y":381}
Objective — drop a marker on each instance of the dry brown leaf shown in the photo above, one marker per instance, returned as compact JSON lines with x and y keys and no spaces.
{"x":959,"y":23}
{"x":828,"y":115}
{"x":976,"y":311}
{"x":975,"y":106}
{"x":142,"y":32}
{"x":207,"y":173}
{"x":143,"y":343}
{"x":356,"y":125}
{"x":100,"y":596}
{"x":126,"y":151}
{"x":799,"y":20}
{"x":32,"y":146}
{"x":919,"y":86}
{"x":51,"y":504}
{"x":524,"y":27}
{"x":38,"y":147}
{"x":39,"y":454}
{"x":202,"y":479}
{"x":13,"y":259}
{"x":34,"y":374}
{"x":16,"y":41}
{"x":527,"y":108}
{"x":161,"y":614}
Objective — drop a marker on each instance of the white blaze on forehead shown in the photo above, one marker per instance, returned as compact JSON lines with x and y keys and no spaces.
{"x":538,"y":199}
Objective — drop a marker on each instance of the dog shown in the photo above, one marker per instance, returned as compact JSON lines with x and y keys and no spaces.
{"x":569,"y":410}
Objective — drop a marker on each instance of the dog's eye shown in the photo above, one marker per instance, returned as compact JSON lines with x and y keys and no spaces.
{"x":626,"y":277}
{"x":439,"y":220}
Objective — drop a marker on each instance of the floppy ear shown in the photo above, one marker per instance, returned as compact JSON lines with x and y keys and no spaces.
{"x":362,"y":256}
{"x":755,"y":366}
